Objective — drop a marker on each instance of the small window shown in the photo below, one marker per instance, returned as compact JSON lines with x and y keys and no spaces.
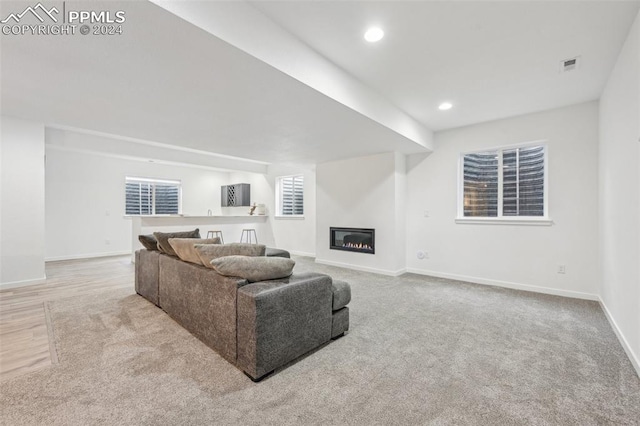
{"x":504,"y":183}
{"x":152,"y":196}
{"x":290,"y":196}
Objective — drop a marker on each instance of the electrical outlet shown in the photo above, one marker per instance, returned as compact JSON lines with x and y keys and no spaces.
{"x":426,"y":213}
{"x":107,"y":242}
{"x":562,"y":269}
{"x":421,"y":254}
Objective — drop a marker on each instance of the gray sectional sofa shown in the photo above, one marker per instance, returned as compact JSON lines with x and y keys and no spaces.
{"x":258,"y":327}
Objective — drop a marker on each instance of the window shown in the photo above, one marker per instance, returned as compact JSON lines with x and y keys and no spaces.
{"x":152,"y":196}
{"x":504,"y":184}
{"x":290,"y":196}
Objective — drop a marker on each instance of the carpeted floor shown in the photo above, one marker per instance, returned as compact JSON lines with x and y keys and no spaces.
{"x":420,"y":351}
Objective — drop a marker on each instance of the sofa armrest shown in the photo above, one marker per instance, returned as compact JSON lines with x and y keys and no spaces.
{"x":279,"y":320}
{"x":147,"y":274}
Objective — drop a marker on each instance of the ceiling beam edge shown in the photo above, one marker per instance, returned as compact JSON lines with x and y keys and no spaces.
{"x":265,"y":40}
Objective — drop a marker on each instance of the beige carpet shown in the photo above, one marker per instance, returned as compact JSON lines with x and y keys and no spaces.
{"x":420,"y":351}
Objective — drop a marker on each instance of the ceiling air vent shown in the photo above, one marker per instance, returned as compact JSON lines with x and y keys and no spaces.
{"x":569,"y":64}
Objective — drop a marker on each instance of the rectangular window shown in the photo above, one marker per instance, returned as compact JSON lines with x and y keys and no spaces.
{"x":290,"y":195}
{"x":506,"y":183}
{"x":152,"y":196}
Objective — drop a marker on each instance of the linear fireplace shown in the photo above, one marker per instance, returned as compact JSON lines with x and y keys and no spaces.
{"x":360,"y":240}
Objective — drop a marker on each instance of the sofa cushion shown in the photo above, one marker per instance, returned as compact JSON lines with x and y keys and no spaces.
{"x":254,"y":268}
{"x":274,"y":252}
{"x":245,"y":249}
{"x":148,"y":241}
{"x":163,"y":239}
{"x":341,"y":294}
{"x":209,"y":252}
{"x":185,"y":248}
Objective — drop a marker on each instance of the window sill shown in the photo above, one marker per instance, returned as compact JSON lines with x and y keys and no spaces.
{"x":543,"y":221}
{"x":130,"y":216}
{"x":289,"y":217}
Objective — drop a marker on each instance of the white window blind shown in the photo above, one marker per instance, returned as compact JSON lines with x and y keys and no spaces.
{"x":290,"y":196}
{"x":506,"y":182}
{"x":152,"y":196}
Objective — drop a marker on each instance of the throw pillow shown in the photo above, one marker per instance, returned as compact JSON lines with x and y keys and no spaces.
{"x":163,"y":239}
{"x":254,"y":269}
{"x":209,"y":252}
{"x":184,"y":248}
{"x":246,"y":249}
{"x":148,"y":241}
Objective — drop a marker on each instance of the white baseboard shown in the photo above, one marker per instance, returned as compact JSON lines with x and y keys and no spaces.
{"x":302,"y":253}
{"x":507,"y":284}
{"x":15,"y":284}
{"x":86,"y":256}
{"x":362,"y":268}
{"x":635,"y":361}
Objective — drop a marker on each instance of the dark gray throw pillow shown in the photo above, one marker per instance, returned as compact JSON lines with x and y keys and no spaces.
{"x":254,"y":268}
{"x":148,"y":241}
{"x":163,"y":239}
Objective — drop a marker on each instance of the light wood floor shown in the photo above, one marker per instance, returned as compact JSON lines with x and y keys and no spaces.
{"x":24,"y":338}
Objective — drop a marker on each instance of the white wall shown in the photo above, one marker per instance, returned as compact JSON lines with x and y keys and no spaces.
{"x":515,"y":256}
{"x":2,"y":180}
{"x":85,"y":202}
{"x":619,"y":158}
{"x":298,"y":235}
{"x":1,"y":185}
{"x":400,"y":194}
{"x":97,"y":209}
{"x":361,"y":193}
{"x":22,"y":234}
{"x":260,"y":194}
{"x":92,"y":222}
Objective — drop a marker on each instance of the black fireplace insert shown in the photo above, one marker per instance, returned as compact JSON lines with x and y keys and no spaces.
{"x":361,"y":240}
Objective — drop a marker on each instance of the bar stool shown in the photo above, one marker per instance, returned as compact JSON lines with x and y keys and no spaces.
{"x":214,"y":234}
{"x":248,"y":232}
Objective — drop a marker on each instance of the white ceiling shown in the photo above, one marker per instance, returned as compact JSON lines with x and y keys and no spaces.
{"x":165,"y":80}
{"x":168,"y":81}
{"x":491,"y":59}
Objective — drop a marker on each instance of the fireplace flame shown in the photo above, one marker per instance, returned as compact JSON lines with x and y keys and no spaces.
{"x":360,"y":246}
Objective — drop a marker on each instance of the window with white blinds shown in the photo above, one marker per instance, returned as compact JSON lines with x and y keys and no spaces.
{"x":152,"y":196}
{"x":290,"y":196}
{"x":504,"y":183}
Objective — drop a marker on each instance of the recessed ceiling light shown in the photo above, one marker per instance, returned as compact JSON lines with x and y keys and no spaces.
{"x":445,"y":106}
{"x":373,"y":34}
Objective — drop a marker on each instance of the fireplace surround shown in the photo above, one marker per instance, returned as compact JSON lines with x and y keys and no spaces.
{"x":359,"y":240}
